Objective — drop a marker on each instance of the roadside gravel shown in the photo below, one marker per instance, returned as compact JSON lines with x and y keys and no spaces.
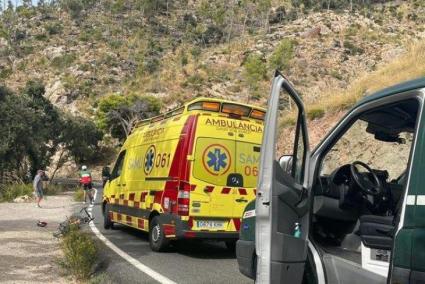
{"x":28,"y":253}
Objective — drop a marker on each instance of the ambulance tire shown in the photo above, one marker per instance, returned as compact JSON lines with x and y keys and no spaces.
{"x":230,"y":245}
{"x":157,"y":240}
{"x":107,"y":223}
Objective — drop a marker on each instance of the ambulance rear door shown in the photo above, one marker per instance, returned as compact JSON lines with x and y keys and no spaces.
{"x":213,"y":163}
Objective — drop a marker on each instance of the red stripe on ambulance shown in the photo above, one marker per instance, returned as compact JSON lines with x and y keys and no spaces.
{"x":140,"y":223}
{"x":131,"y":197}
{"x":180,"y":167}
{"x":226,"y":190}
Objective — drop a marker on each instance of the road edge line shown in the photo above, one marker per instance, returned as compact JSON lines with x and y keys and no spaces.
{"x":143,"y":268}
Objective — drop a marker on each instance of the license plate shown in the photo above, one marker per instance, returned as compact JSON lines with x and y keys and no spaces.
{"x":209,"y":224}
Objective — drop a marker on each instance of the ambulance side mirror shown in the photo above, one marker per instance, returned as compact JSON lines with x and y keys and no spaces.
{"x":285,"y":163}
{"x":106,"y":173}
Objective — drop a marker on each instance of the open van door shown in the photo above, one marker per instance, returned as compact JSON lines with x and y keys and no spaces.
{"x":282,"y":204}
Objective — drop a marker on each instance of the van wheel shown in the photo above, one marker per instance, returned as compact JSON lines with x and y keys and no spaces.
{"x":157,"y":240}
{"x":107,"y":222}
{"x":231,"y":245}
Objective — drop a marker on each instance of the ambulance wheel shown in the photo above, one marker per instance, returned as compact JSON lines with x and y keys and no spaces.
{"x":107,"y":223}
{"x":231,"y":245}
{"x":157,"y":240}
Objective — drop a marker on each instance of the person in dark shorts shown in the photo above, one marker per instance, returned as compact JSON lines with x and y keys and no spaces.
{"x":86,"y":182}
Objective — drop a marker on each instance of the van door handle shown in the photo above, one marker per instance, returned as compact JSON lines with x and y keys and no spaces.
{"x":118,"y":184}
{"x":241,"y":200}
{"x":124,"y":184}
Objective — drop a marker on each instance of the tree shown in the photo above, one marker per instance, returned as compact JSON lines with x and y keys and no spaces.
{"x":23,"y":145}
{"x":282,"y":55}
{"x":73,"y":7}
{"x":9,"y":5}
{"x":32,"y":130}
{"x":80,"y":137}
{"x":255,"y":70}
{"x":79,"y":141}
{"x":118,"y":114}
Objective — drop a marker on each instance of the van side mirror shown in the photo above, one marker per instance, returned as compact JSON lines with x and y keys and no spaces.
{"x":106,"y":173}
{"x":285,"y":163}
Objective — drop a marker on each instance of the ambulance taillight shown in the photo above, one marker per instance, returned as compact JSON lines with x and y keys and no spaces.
{"x":183,"y":199}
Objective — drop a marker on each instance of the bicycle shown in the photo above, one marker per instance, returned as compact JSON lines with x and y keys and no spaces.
{"x":65,"y":226}
{"x":88,"y":191}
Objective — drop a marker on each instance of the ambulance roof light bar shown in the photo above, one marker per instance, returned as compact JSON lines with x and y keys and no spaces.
{"x":210,"y":106}
{"x":233,"y":110}
{"x":258,"y":114}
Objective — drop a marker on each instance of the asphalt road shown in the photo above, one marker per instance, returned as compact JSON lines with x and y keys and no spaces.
{"x":189,"y":262}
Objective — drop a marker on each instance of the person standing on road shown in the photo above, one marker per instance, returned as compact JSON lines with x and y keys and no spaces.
{"x":38,"y":186}
{"x":85,"y":181}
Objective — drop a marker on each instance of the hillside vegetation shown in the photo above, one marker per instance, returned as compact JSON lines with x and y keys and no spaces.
{"x":175,"y":50}
{"x":97,"y":59}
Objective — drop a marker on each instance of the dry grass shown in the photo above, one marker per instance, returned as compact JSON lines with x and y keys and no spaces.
{"x":409,"y":66}
{"x":79,"y":195}
{"x":8,"y":192}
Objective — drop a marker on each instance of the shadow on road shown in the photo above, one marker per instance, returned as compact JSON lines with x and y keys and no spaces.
{"x":191,"y":248}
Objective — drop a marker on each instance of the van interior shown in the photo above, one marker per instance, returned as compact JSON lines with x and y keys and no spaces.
{"x":361,"y":180}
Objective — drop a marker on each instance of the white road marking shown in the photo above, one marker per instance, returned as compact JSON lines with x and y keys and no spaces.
{"x":147,"y":270}
{"x":420,"y":200}
{"x":411,"y":200}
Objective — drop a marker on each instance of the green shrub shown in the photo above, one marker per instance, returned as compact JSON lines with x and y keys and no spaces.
{"x":101,"y":278}
{"x":196,"y":52}
{"x":41,"y":37}
{"x":184,"y":60}
{"x":352,"y":49}
{"x":336,"y":75}
{"x":79,"y":195}
{"x":195,"y":81}
{"x":9,"y":192}
{"x":118,"y":6}
{"x":80,"y":254}
{"x":91,"y":34}
{"x":315,"y":113}
{"x":26,"y":49}
{"x":25,"y":12}
{"x":73,"y":7}
{"x":287,"y":122}
{"x":53,"y":28}
{"x":115,"y":44}
{"x":64,"y":61}
{"x":5,"y":73}
{"x":254,"y":70}
{"x":151,"y":64}
{"x":282,"y":55}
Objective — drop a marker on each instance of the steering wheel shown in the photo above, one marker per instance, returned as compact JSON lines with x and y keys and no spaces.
{"x":369,"y":183}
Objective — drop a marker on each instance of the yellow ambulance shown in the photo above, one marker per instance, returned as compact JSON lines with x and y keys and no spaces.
{"x":188,"y":173}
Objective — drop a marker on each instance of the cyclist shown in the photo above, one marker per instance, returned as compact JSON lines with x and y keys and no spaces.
{"x":85,"y":181}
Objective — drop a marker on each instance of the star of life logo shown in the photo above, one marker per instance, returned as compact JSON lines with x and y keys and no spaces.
{"x":216,"y":159}
{"x":149,"y":159}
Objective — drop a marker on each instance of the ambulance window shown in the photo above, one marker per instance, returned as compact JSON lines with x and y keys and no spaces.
{"x":116,"y":172}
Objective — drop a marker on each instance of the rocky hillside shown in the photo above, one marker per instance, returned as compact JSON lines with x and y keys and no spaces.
{"x":333,"y":51}
{"x":83,"y":50}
